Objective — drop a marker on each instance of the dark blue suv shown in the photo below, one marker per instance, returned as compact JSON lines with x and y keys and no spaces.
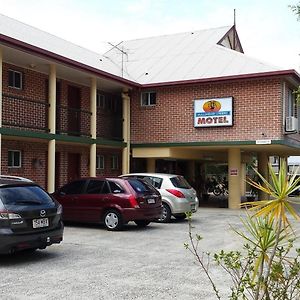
{"x":29,"y":218}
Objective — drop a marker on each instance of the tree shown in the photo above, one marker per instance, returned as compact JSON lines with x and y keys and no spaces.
{"x":296,"y":9}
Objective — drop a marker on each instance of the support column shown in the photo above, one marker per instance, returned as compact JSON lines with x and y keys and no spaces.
{"x":52,"y":128}
{"x":126,"y":132}
{"x":243,"y":178}
{"x":234,"y":178}
{"x":151,"y":165}
{"x":1,"y":67}
{"x":93,"y":107}
{"x":263,"y":160}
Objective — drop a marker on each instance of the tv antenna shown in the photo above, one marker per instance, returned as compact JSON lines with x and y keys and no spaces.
{"x":122,"y":52}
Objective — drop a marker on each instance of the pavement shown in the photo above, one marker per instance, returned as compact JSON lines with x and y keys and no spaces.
{"x":149,"y":263}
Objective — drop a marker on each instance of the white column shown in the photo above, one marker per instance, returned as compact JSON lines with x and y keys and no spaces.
{"x":52,"y":124}
{"x":93,"y":107}
{"x":126,"y":132}
{"x":151,"y":165}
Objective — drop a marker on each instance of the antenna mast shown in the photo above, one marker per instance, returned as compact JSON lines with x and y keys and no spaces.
{"x":122,"y":51}
{"x":234,"y":29}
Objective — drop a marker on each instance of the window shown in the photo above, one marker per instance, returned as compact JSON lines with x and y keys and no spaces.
{"x":100,"y":162}
{"x":115,"y":187}
{"x":15,"y":79}
{"x":14,"y":159}
{"x":115,"y":162}
{"x":148,"y":98}
{"x":292,"y":106}
{"x":95,"y":187}
{"x":73,"y":188}
{"x":100,"y":100}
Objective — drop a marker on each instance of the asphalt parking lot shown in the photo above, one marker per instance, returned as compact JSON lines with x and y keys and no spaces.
{"x":149,"y":263}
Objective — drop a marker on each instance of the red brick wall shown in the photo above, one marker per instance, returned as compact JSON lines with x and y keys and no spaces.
{"x":29,"y":153}
{"x":257,"y":107}
{"x":108,"y":153}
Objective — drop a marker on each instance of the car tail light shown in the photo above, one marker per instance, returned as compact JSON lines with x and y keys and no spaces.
{"x":133,"y":202}
{"x":6,"y":215}
{"x":176,"y":193}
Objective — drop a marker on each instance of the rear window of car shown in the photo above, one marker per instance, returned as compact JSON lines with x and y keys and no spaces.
{"x":180,"y":182}
{"x":140,"y":186}
{"x":24,"y":195}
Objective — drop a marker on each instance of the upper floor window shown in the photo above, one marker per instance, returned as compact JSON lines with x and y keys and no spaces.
{"x":14,"y":159}
{"x":148,"y":98}
{"x":291,"y":105}
{"x":15,"y":79}
{"x":100,"y":100}
{"x":100,"y":162}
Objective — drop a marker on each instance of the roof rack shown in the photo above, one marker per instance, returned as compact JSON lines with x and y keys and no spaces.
{"x":10,"y":177}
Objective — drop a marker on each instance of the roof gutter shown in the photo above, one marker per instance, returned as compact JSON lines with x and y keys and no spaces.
{"x":64,"y":60}
{"x":291,"y":73}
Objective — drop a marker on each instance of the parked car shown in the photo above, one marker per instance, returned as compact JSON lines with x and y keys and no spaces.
{"x":112,"y":201}
{"x":178,"y":197}
{"x":29,"y":218}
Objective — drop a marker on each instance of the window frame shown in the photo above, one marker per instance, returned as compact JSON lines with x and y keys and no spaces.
{"x":100,"y":101}
{"x":291,"y":104}
{"x":148,"y":101}
{"x":14,"y":166}
{"x":114,"y":162}
{"x":13,"y":85}
{"x":99,"y":165}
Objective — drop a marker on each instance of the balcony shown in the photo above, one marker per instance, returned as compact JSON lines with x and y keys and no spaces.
{"x":109,"y":126}
{"x":23,"y":113}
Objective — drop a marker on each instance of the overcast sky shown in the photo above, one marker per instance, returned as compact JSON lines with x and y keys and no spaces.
{"x":268,"y":29}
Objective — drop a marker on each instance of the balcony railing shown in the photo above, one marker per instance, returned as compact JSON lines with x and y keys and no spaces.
{"x":23,"y":113}
{"x":73,"y":121}
{"x":109,"y":126}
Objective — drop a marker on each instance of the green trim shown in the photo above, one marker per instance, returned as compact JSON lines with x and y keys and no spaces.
{"x":288,"y":143}
{"x":60,"y":137}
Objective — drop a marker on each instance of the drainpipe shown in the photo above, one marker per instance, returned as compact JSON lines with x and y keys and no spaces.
{"x":93,"y":107}
{"x":126,"y":131}
{"x":1,"y":66}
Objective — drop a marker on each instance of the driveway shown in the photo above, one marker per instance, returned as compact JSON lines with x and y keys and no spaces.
{"x":149,"y":263}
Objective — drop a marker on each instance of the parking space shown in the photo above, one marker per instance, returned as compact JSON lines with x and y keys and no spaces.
{"x":149,"y":263}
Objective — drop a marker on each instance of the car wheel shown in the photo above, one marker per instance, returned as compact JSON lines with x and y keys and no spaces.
{"x":180,"y":216}
{"x":142,"y":223}
{"x":166,"y":214}
{"x":113,"y":220}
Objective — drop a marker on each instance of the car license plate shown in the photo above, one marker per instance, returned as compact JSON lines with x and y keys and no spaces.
{"x":151,"y":201}
{"x":38,"y":223}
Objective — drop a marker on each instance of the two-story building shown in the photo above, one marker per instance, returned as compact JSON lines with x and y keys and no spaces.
{"x":173,"y":103}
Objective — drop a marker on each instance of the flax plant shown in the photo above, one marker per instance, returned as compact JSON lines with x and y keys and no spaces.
{"x":271,"y":213}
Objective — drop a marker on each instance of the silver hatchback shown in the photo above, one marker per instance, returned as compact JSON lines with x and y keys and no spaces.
{"x":178,"y":197}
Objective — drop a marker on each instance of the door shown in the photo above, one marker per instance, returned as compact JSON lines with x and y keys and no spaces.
{"x":73,"y":110}
{"x":73,"y":166}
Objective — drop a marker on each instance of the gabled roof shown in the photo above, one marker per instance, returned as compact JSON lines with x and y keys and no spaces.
{"x":182,"y":57}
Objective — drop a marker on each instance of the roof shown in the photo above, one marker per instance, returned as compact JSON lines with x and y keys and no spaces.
{"x":204,"y":54}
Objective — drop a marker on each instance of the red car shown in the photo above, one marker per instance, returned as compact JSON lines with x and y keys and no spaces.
{"x":112,"y":201}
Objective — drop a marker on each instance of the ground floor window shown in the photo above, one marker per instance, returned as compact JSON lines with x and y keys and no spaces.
{"x":115,"y":162}
{"x":14,"y":159}
{"x":100,"y":162}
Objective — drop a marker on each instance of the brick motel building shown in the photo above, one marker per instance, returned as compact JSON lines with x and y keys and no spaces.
{"x":176,"y":103}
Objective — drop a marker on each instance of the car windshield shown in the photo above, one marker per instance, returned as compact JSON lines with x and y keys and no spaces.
{"x":141,"y":186}
{"x":180,"y":182}
{"x":30,"y":195}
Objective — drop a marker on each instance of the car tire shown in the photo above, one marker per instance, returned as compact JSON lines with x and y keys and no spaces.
{"x":142,"y":223}
{"x":166,"y":214}
{"x":180,"y":216}
{"x":113,"y":220}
